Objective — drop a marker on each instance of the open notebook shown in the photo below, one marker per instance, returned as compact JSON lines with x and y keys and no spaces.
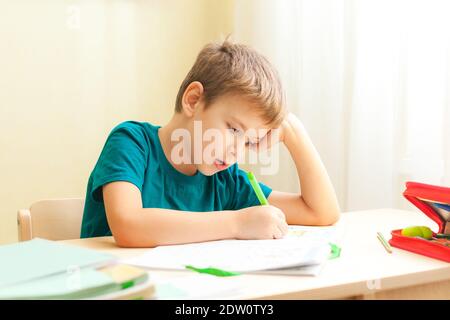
{"x":303,"y":251}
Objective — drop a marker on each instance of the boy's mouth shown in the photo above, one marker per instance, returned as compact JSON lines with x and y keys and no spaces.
{"x":221,"y":165}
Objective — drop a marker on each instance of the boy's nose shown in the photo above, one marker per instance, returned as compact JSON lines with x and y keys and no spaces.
{"x":234,"y":151}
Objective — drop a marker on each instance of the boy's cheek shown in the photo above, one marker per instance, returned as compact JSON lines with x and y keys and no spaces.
{"x":213,"y":151}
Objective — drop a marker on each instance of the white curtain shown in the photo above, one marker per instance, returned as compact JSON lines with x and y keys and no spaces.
{"x":371,"y":82}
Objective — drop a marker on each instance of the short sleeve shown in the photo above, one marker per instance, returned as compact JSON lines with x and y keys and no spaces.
{"x":243,"y":195}
{"x":123,"y":158}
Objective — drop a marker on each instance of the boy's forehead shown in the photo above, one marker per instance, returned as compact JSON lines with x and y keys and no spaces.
{"x":244,"y":112}
{"x":235,"y":101}
{"x":253,"y":121}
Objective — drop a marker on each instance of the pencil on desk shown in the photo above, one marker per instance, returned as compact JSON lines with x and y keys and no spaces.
{"x":383,"y":241}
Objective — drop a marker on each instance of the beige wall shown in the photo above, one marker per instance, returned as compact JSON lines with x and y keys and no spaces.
{"x":64,"y":84}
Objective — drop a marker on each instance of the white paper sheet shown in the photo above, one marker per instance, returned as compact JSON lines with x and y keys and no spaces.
{"x":302,"y":247}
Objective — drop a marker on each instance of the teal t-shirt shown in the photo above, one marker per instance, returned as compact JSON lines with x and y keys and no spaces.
{"x":133,"y":153}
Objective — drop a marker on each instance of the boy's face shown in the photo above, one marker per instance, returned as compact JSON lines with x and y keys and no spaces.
{"x":229,"y":126}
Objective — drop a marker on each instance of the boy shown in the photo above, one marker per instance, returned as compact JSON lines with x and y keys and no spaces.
{"x":145,"y":196}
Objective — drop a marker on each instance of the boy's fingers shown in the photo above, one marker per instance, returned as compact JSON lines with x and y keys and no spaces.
{"x":271,"y":138}
{"x":265,"y":142}
{"x":282,"y":225}
{"x":277,"y":234}
{"x":281,"y":215}
{"x":283,"y":231}
{"x":285,"y":228}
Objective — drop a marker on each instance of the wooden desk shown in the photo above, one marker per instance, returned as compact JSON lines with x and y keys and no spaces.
{"x":363,"y":271}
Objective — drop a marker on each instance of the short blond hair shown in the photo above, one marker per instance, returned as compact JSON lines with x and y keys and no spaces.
{"x":237,"y":69}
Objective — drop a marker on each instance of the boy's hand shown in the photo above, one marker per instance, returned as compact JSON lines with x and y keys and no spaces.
{"x":281,"y":134}
{"x":261,"y":222}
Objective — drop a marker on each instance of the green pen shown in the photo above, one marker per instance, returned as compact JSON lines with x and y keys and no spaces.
{"x":257,"y":188}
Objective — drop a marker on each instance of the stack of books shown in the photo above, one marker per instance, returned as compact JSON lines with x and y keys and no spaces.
{"x":43,"y":269}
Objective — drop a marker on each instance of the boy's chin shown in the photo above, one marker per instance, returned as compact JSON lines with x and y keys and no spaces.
{"x":208,"y":170}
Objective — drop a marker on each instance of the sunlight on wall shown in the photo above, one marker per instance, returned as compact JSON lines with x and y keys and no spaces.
{"x":72,"y":70}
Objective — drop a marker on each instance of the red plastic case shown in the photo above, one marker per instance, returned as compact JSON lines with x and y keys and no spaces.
{"x":423,"y":196}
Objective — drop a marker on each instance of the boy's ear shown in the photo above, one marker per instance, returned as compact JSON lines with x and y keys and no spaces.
{"x":192,"y":97}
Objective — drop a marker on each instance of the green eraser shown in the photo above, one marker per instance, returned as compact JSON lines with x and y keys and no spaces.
{"x":418,"y":231}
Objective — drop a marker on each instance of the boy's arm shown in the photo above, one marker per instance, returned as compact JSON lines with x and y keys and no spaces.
{"x":317,"y":204}
{"x":135,"y":226}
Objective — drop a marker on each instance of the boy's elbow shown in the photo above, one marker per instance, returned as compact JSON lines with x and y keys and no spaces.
{"x":328,"y":218}
{"x":124,"y":241}
{"x":127,"y":240}
{"x":126,"y":235}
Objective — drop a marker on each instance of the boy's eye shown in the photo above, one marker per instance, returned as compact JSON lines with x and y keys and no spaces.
{"x":233,"y":130}
{"x":251,"y":144}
